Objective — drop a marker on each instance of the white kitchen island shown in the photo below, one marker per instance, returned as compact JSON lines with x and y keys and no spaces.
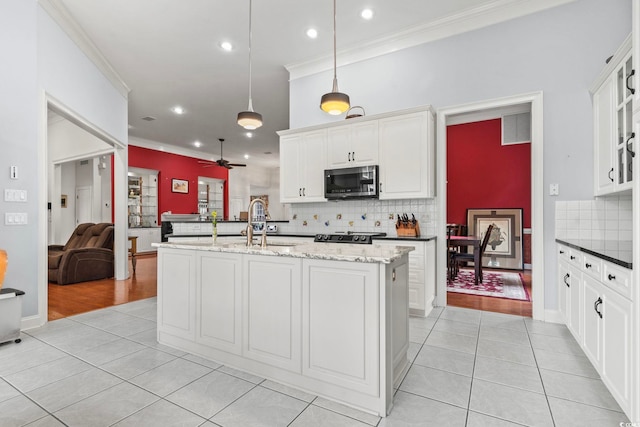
{"x":330,"y":319}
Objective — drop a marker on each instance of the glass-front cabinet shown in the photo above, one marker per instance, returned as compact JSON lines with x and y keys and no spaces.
{"x":142,"y":199}
{"x":614,"y":140}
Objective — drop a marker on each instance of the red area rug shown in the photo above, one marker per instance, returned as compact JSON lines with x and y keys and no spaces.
{"x":495,"y":284}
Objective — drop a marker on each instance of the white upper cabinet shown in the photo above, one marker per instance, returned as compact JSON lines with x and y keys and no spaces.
{"x":353,"y":145}
{"x":614,"y":140}
{"x":303,"y":159}
{"x":407,"y":156}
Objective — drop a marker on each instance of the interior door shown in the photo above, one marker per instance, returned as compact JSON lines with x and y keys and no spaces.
{"x":84,"y":211}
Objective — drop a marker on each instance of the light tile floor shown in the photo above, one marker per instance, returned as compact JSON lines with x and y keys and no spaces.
{"x":469,"y":368}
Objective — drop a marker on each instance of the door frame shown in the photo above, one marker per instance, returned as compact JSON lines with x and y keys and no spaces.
{"x":537,"y":192}
{"x":120,"y":157}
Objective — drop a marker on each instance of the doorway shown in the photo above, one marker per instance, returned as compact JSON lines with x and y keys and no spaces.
{"x":449,"y":115}
{"x":97,"y":144}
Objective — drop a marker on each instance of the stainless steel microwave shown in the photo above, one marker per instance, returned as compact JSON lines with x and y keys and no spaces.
{"x":358,"y":182}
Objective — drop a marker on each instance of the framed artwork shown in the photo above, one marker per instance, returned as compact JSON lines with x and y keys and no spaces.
{"x":179,"y":186}
{"x":505,"y":246}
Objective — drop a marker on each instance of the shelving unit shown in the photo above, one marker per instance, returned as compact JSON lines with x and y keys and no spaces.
{"x":143,"y":201}
{"x":211,"y":197}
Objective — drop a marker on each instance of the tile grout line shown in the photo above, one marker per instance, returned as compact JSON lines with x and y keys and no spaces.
{"x":544,"y":389}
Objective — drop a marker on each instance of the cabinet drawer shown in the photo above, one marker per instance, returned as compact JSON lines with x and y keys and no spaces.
{"x":563,"y":253}
{"x":416,"y":262}
{"x":592,"y":266}
{"x":575,"y":258}
{"x":416,"y":276}
{"x":617,"y":278}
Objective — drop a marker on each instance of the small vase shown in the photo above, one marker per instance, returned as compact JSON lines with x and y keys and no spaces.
{"x":215,"y":234}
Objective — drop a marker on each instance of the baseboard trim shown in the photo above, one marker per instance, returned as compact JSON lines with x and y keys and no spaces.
{"x":553,"y":316}
{"x":31,"y":322}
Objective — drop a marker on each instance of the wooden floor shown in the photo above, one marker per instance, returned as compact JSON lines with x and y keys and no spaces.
{"x":79,"y":298}
{"x":498,"y":305}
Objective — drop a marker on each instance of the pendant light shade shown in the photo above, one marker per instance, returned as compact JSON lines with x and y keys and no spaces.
{"x":249,"y":119}
{"x":334,"y":102}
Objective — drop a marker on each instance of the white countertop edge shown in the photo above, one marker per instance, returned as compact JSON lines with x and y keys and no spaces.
{"x":373,"y":253}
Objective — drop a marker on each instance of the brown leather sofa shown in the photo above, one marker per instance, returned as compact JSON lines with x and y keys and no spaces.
{"x":87,"y":255}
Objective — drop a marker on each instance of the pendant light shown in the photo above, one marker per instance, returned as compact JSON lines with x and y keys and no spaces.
{"x":249,"y":119}
{"x":334,"y":102}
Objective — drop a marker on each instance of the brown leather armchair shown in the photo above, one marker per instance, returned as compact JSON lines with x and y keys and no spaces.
{"x":87,"y":255}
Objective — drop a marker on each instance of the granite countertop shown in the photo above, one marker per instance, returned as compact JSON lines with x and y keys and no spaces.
{"x":619,"y":252}
{"x":327,"y":251}
{"x":311,"y":236}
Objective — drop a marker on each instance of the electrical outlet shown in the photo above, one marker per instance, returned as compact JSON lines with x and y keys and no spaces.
{"x":554,"y":189}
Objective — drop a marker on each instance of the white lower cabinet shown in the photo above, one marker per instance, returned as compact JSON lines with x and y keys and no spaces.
{"x":272,"y":321}
{"x":146,"y":236}
{"x":340,"y":334}
{"x":177,"y":293}
{"x":593,"y":300}
{"x":219,"y":281}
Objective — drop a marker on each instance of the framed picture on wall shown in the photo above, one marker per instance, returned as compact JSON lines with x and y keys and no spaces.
{"x":504,"y":249}
{"x":179,"y":186}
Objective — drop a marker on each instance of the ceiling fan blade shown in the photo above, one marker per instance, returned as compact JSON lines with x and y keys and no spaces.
{"x":241,"y":165}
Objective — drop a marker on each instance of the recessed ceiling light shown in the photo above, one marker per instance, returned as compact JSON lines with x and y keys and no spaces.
{"x":366,"y":14}
{"x":178,"y":109}
{"x":246,"y":156}
{"x":312,"y":33}
{"x":249,"y":134}
{"x":198,"y":144}
{"x":226,"y":46}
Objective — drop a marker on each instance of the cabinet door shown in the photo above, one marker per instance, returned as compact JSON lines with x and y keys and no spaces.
{"x":406,"y":156}
{"x":176,"y":292}
{"x":603,"y":107}
{"x":314,"y":163}
{"x":575,"y":296}
{"x":592,"y":333}
{"x":272,"y":288}
{"x":339,"y":147}
{"x":616,"y":346}
{"x":364,"y":143}
{"x":219,"y":301}
{"x":290,"y":185}
{"x":624,"y":123}
{"x":340,"y":320}
{"x":564,"y":289}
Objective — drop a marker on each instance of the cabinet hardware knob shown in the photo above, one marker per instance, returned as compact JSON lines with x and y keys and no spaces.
{"x":595,"y":306}
{"x":609,"y":174}
{"x":587,"y":265}
{"x":611,"y":277}
{"x":561,"y":252}
{"x":572,"y":257}
{"x":349,"y":156}
{"x":631,"y":152}
{"x":631,"y":74}
{"x":566,"y":276}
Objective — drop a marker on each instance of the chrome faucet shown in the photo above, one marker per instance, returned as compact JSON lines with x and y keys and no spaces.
{"x":263,"y":242}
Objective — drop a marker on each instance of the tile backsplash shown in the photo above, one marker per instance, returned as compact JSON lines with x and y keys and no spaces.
{"x":359,"y":215}
{"x":607,"y":218}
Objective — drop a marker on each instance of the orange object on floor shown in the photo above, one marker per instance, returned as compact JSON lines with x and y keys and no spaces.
{"x":3,"y":265}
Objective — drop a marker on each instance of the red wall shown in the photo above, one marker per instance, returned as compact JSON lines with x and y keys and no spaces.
{"x":181,"y":167}
{"x":482,"y":173}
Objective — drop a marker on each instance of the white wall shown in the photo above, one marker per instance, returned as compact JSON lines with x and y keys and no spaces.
{"x":559,"y":51}
{"x":42,"y":59}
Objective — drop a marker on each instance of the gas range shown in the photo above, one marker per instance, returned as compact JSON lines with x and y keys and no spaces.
{"x":349,"y":237}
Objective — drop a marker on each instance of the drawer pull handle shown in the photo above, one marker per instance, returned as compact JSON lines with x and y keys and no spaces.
{"x":632,"y":136}
{"x":631,"y":74}
{"x":611,"y":277}
{"x":595,"y":306}
{"x":566,"y":276}
{"x":587,"y":265}
{"x":610,"y":172}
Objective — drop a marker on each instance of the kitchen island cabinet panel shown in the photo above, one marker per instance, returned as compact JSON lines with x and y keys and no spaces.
{"x":340,"y":325}
{"x":176,"y":292}
{"x":220,"y":304}
{"x":272,"y":290}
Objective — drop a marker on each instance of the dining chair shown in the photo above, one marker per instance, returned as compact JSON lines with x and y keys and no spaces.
{"x":464,"y":257}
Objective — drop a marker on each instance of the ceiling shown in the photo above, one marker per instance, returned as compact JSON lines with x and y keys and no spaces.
{"x":167,"y":52}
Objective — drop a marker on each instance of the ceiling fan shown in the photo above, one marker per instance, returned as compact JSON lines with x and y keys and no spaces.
{"x":221,"y":161}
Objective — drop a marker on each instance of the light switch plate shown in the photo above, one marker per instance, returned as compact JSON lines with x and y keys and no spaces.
{"x":554,"y":189}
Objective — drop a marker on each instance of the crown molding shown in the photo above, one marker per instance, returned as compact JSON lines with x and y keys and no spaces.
{"x":472,"y":19}
{"x":63,"y":18}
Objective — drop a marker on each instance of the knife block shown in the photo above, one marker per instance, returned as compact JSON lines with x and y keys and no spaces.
{"x":408,"y":230}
